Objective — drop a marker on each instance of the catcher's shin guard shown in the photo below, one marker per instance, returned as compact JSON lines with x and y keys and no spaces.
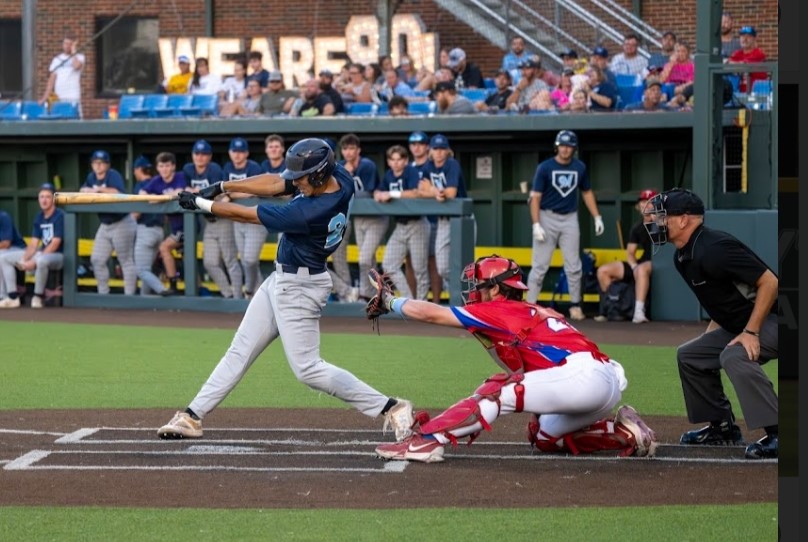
{"x":601,"y":435}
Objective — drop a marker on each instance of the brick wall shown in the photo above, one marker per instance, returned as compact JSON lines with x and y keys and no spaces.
{"x":318,"y":17}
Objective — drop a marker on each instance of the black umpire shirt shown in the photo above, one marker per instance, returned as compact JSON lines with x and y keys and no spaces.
{"x":722,"y":272}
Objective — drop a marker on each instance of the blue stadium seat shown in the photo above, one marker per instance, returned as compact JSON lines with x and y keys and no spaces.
{"x":32,"y":110}
{"x":762,"y":87}
{"x":361,"y":109}
{"x":10,"y":110}
{"x":175,"y":103}
{"x":150,"y":103}
{"x":202,"y":105}
{"x":489,"y":83}
{"x":625,"y":80}
{"x":423,"y":108}
{"x":629,"y":95}
{"x":61,"y":110}
{"x":383,"y":109}
{"x":127,"y":103}
{"x":668,"y":89}
{"x":474,"y":94}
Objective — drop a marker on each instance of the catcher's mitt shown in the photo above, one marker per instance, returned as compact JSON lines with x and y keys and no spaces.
{"x":379,"y":304}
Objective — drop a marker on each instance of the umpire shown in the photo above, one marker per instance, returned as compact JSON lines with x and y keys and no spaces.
{"x":739,"y":293}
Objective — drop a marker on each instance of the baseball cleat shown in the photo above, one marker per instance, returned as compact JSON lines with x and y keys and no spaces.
{"x":416,"y":447}
{"x":9,"y":303}
{"x":400,"y":418}
{"x":646,"y":441}
{"x":577,"y":314}
{"x":182,"y":425}
{"x":712,"y":435}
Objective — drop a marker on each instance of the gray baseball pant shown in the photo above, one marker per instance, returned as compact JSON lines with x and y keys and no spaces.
{"x":219,"y":245}
{"x":250,"y":240}
{"x":341,"y":273}
{"x":370,"y":232}
{"x":412,"y":237}
{"x":44,"y":264}
{"x":147,"y":241}
{"x":8,"y":257}
{"x":289,"y":306}
{"x":700,"y":362}
{"x":563,"y":231}
{"x":119,"y":236}
{"x":443,"y":241}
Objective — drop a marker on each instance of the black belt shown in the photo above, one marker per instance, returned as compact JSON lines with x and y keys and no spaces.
{"x":294,"y":269}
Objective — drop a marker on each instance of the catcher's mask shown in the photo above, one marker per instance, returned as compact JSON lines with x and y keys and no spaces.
{"x":486,"y":272}
{"x":677,"y":201}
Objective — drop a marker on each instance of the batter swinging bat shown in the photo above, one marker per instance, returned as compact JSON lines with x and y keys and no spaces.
{"x":77,"y":198}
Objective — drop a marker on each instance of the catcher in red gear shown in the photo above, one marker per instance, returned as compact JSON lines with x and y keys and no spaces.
{"x":551,"y":370}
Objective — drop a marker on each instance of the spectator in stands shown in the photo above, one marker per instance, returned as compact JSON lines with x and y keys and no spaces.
{"x":680,"y":70}
{"x":529,"y":85}
{"x":250,"y":105}
{"x":204,"y":82}
{"x":562,"y":93}
{"x":630,"y":61}
{"x":250,"y":238}
{"x":443,"y":57}
{"x":602,"y":95}
{"x":393,"y":86}
{"x":234,"y":87}
{"x":116,"y":231}
{"x":407,"y":72}
{"x":450,"y":102}
{"x":398,"y":107}
{"x":498,"y":101}
{"x":542,"y":101}
{"x":357,"y":89}
{"x":683,"y":101}
{"x":467,"y":74}
{"x":385,"y":63}
{"x":10,"y":242}
{"x":600,"y":58}
{"x":749,"y":53}
{"x":312,"y":103}
{"x":42,"y":254}
{"x":666,"y":51}
{"x":729,"y":41}
{"x":578,"y":102}
{"x":64,"y":81}
{"x":373,"y":75}
{"x":636,"y":269}
{"x":651,"y":99}
{"x":277,"y":99}
{"x":218,"y":238}
{"x":570,"y":60}
{"x":180,"y":82}
{"x":514,"y":57}
{"x":257,"y":70}
{"x":167,"y":181}
{"x":149,"y":231}
{"x":327,"y":88}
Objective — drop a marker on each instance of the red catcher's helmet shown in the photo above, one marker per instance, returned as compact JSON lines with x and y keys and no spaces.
{"x":488,"y":271}
{"x":647,"y":194}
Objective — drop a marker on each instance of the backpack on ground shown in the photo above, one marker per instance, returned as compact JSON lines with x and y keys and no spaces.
{"x":617,"y":303}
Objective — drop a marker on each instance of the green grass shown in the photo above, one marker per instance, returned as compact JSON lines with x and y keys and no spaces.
{"x":660,"y":524}
{"x":48,"y":365}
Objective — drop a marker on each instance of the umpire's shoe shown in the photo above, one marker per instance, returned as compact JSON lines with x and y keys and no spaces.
{"x":765,"y":448}
{"x":726,"y":433}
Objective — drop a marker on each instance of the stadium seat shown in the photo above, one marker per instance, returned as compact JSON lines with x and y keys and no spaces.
{"x":10,"y":110}
{"x":32,"y":110}
{"x":150,"y":103}
{"x":629,"y":95}
{"x":474,"y":94}
{"x":762,"y":87}
{"x":383,"y":109}
{"x":489,"y":83}
{"x":361,"y":109}
{"x":668,"y":89}
{"x":127,"y":103}
{"x":423,"y":108}
{"x":61,"y":110}
{"x":627,"y":80}
{"x":174,"y":105}
{"x":202,"y":105}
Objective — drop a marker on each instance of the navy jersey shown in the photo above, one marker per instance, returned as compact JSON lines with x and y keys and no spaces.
{"x":408,"y":180}
{"x":50,"y":228}
{"x":448,"y":175}
{"x":147,"y":219}
{"x":366,"y":178}
{"x":158,"y":186}
{"x":8,"y":232}
{"x":266,"y":167}
{"x":312,"y":227}
{"x":232,"y":173}
{"x":112,"y":179}
{"x":419,"y":168}
{"x":605,"y":88}
{"x":559,"y":184}
{"x":212,"y":174}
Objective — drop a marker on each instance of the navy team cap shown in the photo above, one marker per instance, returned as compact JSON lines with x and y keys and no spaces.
{"x":419,"y":137}
{"x":439,"y":141}
{"x":100,"y":155}
{"x":239,"y":144}
{"x":203,"y":147}
{"x":142,"y":161}
{"x":47,"y":186}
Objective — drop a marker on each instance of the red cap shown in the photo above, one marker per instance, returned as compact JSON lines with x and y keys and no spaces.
{"x":647,"y":194}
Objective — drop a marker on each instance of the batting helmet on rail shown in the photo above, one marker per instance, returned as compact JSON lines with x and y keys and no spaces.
{"x":312,"y":157}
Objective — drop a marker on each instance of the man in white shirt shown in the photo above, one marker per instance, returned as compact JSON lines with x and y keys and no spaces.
{"x":630,"y":61}
{"x":65,"y":74}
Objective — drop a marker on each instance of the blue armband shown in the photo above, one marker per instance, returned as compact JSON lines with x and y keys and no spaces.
{"x":397,"y":304}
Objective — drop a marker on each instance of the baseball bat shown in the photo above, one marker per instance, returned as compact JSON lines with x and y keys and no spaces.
{"x":77,"y":198}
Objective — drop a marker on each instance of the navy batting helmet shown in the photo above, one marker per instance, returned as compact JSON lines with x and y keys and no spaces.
{"x":566,"y":137}
{"x":312,"y":157}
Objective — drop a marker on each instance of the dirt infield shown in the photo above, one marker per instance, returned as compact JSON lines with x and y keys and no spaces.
{"x":284,"y":458}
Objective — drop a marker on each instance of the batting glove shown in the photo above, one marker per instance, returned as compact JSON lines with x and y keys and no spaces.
{"x":538,"y":233}
{"x":210,"y":192}
{"x":187,"y":201}
{"x":599,"y":225}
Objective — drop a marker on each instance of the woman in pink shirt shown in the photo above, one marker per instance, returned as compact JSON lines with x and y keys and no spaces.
{"x":561,"y":94}
{"x":680,"y":70}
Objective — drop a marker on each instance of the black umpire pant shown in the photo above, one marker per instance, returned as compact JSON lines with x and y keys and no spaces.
{"x":700,"y":363}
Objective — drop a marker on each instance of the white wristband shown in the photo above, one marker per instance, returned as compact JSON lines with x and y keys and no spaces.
{"x":395,"y":194}
{"x":204,"y":204}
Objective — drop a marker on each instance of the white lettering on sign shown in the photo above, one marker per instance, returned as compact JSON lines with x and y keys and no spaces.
{"x":300,"y":57}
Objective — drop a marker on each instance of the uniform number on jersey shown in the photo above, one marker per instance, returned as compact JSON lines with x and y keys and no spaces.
{"x":336,"y":228}
{"x":556,"y":325}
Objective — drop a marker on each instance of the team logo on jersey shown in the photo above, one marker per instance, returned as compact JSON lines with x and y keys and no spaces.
{"x":200,"y":183}
{"x":47,"y":233}
{"x":359,"y":186}
{"x":438,"y":180}
{"x":565,"y":182}
{"x":397,"y":185}
{"x":236,"y":176}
